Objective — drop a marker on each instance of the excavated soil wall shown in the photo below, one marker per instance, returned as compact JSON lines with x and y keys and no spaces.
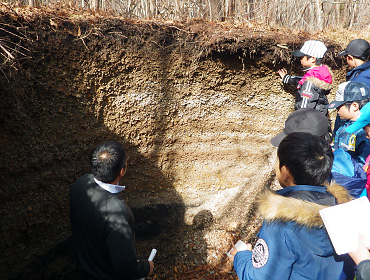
{"x":194,"y":104}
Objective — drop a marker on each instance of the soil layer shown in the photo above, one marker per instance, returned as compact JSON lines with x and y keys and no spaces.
{"x":194,"y":104}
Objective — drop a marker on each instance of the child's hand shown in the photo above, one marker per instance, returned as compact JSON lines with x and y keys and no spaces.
{"x":234,"y":251}
{"x":362,"y":252}
{"x":282,"y":72}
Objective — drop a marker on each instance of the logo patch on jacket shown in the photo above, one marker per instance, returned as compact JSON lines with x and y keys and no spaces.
{"x":352,"y":143}
{"x":260,"y":254}
{"x":307,"y":94}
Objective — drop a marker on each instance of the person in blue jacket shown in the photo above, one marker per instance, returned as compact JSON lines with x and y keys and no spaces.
{"x":345,"y":171}
{"x":363,"y":122}
{"x":357,"y":55}
{"x":292,"y":242}
{"x":349,"y":99}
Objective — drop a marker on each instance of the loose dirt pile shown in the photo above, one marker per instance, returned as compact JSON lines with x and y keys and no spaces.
{"x":195,"y":105}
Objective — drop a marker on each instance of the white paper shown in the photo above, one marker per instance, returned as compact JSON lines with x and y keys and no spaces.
{"x":240,"y":246}
{"x":344,"y":223}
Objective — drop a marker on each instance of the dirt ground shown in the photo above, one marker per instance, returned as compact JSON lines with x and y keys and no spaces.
{"x":195,"y":105}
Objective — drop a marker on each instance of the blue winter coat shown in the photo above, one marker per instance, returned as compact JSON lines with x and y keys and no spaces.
{"x":356,"y":144}
{"x":360,"y":74}
{"x":292,"y":242}
{"x":348,"y":173}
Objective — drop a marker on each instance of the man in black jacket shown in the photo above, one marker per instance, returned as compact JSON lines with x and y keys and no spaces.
{"x":102,"y":223}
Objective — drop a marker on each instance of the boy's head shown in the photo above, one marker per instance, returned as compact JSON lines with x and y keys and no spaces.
{"x":311,"y":53}
{"x":304,"y":120}
{"x":356,"y":49}
{"x":363,"y":121}
{"x":303,"y":159}
{"x":349,"y":99}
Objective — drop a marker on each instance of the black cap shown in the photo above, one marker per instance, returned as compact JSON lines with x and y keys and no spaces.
{"x":303,"y":120}
{"x":359,"y":48}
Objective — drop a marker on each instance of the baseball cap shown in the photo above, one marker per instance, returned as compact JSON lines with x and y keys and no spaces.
{"x":311,"y":48}
{"x":363,"y":119}
{"x":350,"y":91}
{"x":303,"y":120}
{"x":358,"y":48}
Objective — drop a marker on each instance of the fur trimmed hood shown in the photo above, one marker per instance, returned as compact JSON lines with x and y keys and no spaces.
{"x":320,"y":84}
{"x":274,"y":207}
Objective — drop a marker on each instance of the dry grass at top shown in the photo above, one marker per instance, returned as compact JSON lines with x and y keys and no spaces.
{"x":20,"y":25}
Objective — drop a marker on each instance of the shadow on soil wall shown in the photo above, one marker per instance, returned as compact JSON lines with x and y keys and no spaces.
{"x":52,"y":115}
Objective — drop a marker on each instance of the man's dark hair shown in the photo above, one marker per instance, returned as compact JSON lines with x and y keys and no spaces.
{"x":365,"y":56}
{"x":107,"y":160}
{"x":309,"y":158}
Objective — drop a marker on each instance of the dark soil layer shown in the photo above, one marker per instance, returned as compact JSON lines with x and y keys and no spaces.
{"x":194,"y":103}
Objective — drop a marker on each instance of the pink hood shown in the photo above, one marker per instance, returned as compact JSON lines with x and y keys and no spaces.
{"x":320,"y":72}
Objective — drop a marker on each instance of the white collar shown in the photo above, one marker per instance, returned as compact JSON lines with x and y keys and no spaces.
{"x":109,"y":187}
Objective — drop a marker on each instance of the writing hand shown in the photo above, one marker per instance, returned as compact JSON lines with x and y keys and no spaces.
{"x":234,"y":251}
{"x":361,"y":253}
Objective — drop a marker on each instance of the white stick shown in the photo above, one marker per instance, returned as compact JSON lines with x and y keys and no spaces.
{"x":151,"y":257}
{"x":152,"y":254}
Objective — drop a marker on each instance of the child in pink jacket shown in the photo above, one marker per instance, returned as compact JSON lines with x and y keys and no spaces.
{"x":316,"y":83}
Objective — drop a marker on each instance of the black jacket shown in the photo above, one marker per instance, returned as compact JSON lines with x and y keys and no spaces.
{"x":312,"y":94}
{"x":103,"y":233}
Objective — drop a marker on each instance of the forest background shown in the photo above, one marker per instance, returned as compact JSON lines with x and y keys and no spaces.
{"x":309,"y":15}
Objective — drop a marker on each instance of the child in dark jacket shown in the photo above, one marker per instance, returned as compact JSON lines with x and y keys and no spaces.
{"x":293,"y":243}
{"x":315,"y":85}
